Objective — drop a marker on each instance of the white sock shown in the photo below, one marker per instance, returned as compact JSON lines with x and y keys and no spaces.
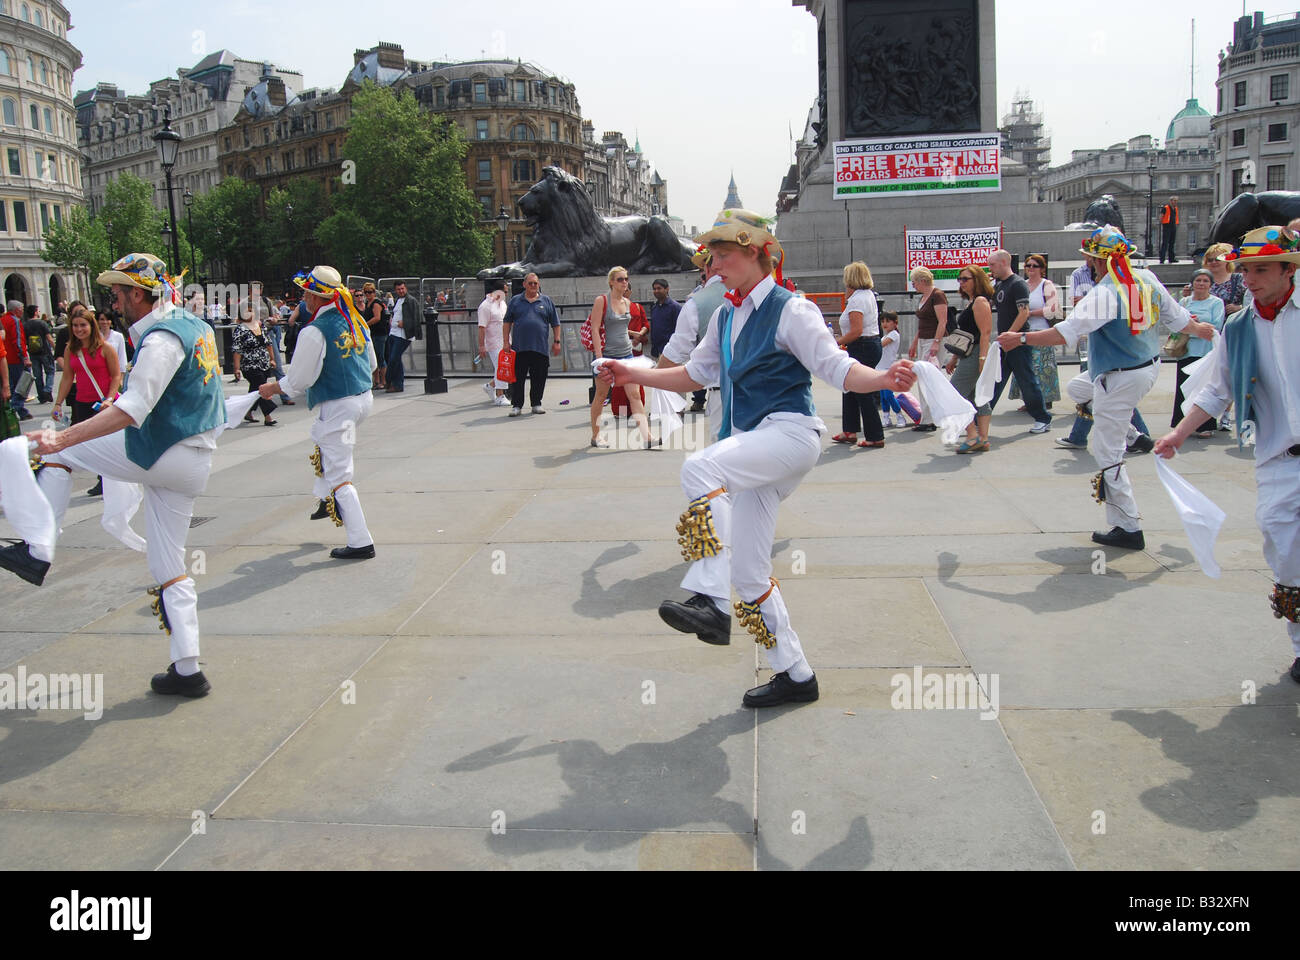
{"x":187,"y":666}
{"x":800,"y":672}
{"x":723,"y":605}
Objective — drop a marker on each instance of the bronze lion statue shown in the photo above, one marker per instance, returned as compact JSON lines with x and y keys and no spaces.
{"x":571,"y":240}
{"x":1249,"y":211}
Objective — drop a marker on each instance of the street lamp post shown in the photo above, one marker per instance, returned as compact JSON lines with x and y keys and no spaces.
{"x":1151,"y":192}
{"x":112,"y":250}
{"x":169,"y":144}
{"x":187,"y":198}
{"x":503,"y":222}
{"x":293,"y":240}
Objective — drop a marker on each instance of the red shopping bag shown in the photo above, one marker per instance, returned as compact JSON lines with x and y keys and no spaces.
{"x":506,"y":366}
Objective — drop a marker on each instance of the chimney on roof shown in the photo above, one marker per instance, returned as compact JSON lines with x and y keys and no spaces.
{"x":275,"y":91}
{"x":391,"y":55}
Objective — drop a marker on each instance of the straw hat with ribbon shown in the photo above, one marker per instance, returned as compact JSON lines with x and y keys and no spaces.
{"x":1109,"y":244}
{"x":748,"y":229}
{"x":326,"y":283}
{"x":1266,"y":245}
{"x":145,"y":271}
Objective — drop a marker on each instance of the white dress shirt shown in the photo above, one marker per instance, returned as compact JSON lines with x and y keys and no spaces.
{"x":684,"y":338}
{"x":156,"y":362}
{"x":395,"y":328}
{"x":800,"y":331}
{"x":1100,"y":306}
{"x":309,"y":359}
{"x":1276,"y":393}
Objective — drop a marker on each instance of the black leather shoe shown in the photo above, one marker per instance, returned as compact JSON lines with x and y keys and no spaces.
{"x":97,"y":490}
{"x":321,"y":511}
{"x":18,"y":558}
{"x":172,"y":683}
{"x":1143,"y":444}
{"x":353,"y":553}
{"x":1295,"y":670}
{"x":696,"y":407}
{"x":1119,"y":537}
{"x":781,"y":689}
{"x":700,"y":616}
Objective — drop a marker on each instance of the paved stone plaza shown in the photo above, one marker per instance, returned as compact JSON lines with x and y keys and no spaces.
{"x":495,"y":689}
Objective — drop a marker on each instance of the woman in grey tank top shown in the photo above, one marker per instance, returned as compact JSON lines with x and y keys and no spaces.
{"x":610,"y":316}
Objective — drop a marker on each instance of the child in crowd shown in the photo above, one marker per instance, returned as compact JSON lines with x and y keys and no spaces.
{"x":889,"y":341}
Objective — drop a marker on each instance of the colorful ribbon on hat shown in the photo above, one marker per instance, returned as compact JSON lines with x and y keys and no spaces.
{"x":1135,"y":295}
{"x":340,"y":297}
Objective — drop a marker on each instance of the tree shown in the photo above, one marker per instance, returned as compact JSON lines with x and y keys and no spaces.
{"x":79,"y":243}
{"x":409,"y":211}
{"x":289,"y":238}
{"x":228,"y":226}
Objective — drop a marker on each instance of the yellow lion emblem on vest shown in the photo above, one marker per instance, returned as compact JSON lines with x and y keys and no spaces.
{"x":205,"y":355}
{"x":353,"y":338}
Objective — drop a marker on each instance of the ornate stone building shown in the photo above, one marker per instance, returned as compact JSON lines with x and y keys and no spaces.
{"x":40,"y":172}
{"x":116,"y":130}
{"x":1258,"y":110}
{"x":1139,"y":170}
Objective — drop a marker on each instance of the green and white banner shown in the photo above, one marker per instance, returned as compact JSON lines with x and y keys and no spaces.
{"x":964,"y":163}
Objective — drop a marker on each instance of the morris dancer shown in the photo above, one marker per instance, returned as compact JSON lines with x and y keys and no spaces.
{"x":760,"y":346}
{"x":1254,"y":364}
{"x":333,"y":362}
{"x":1119,"y":315}
{"x":160,"y":433}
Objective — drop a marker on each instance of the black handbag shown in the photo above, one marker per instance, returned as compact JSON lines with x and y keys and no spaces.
{"x":959,"y":343}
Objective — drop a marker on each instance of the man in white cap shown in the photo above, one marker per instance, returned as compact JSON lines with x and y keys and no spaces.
{"x":333,"y":365}
{"x":1256,"y":363}
{"x":160,"y":433}
{"x":760,"y":346}
{"x":692,"y":321}
{"x":1119,"y":315}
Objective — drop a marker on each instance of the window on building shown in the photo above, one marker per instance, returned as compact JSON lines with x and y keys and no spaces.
{"x":485,"y":170}
{"x":1239,"y":93}
{"x":288,"y":160}
{"x":58,"y":216}
{"x":486,"y":204}
{"x":521,"y":131}
{"x":4,"y":219}
{"x":1276,"y":176}
{"x":40,"y":165}
{"x":1237,"y":186}
{"x":53,"y":165}
{"x":15,"y":162}
{"x":49,"y":120}
{"x":333,"y":151}
{"x":45,"y":73}
{"x":230,"y":169}
{"x":10,"y":113}
{"x":521,"y":90}
{"x":1193,"y":181}
{"x":480,"y":93}
{"x":481,"y":129}
{"x":555,"y":129}
{"x":1239,"y":137}
{"x":267,"y":164}
{"x":1276,"y":132}
{"x":45,"y":218}
{"x":35,"y":117}
{"x":440,"y":96}
{"x":266,"y":135}
{"x":227,"y":144}
{"x":40,"y":19}
{"x":31,"y":68}
{"x":1279,"y":86}
{"x":523,"y":170}
{"x":20,"y":216}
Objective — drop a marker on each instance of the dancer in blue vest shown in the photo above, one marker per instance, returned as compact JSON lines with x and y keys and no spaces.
{"x":160,"y":433}
{"x":692,"y":321}
{"x":333,"y":362}
{"x":1256,"y":364}
{"x":760,"y":346}
{"x":1119,"y":316}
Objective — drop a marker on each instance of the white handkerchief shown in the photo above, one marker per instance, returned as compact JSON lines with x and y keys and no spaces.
{"x":121,"y":501}
{"x":236,"y":409}
{"x":1198,"y":375}
{"x":1200,"y":516}
{"x":22,"y":501}
{"x":951,"y":411}
{"x":990,"y":375}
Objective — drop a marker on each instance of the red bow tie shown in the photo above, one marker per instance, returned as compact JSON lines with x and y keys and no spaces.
{"x":1270,"y":311}
{"x":735,"y":297}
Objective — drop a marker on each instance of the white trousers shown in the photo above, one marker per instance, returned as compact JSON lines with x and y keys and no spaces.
{"x":759,"y":469}
{"x":170,"y":488}
{"x":335,"y":432}
{"x":1114,"y":396}
{"x":1278,"y":514}
{"x":922,"y":356}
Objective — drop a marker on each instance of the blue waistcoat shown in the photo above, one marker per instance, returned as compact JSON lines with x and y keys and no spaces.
{"x":193,"y":401}
{"x":1243,"y":363}
{"x":706,"y":303}
{"x":1114,"y":347}
{"x":760,"y":378}
{"x":345,"y":371}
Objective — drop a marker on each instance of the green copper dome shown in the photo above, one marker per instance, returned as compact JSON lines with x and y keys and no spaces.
{"x":1178,"y":127}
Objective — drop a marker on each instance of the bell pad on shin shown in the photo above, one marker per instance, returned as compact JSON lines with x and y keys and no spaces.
{"x":751,"y":618}
{"x":696,"y":534}
{"x":316,"y":462}
{"x":1285,"y":602}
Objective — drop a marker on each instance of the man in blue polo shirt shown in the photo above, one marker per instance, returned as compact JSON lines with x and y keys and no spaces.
{"x":524,"y":330}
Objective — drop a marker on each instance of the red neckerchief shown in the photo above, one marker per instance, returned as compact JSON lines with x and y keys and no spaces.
{"x":1270,"y":311}
{"x":736,"y":298}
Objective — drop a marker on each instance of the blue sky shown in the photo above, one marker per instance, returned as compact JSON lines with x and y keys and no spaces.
{"x":710,"y":86}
